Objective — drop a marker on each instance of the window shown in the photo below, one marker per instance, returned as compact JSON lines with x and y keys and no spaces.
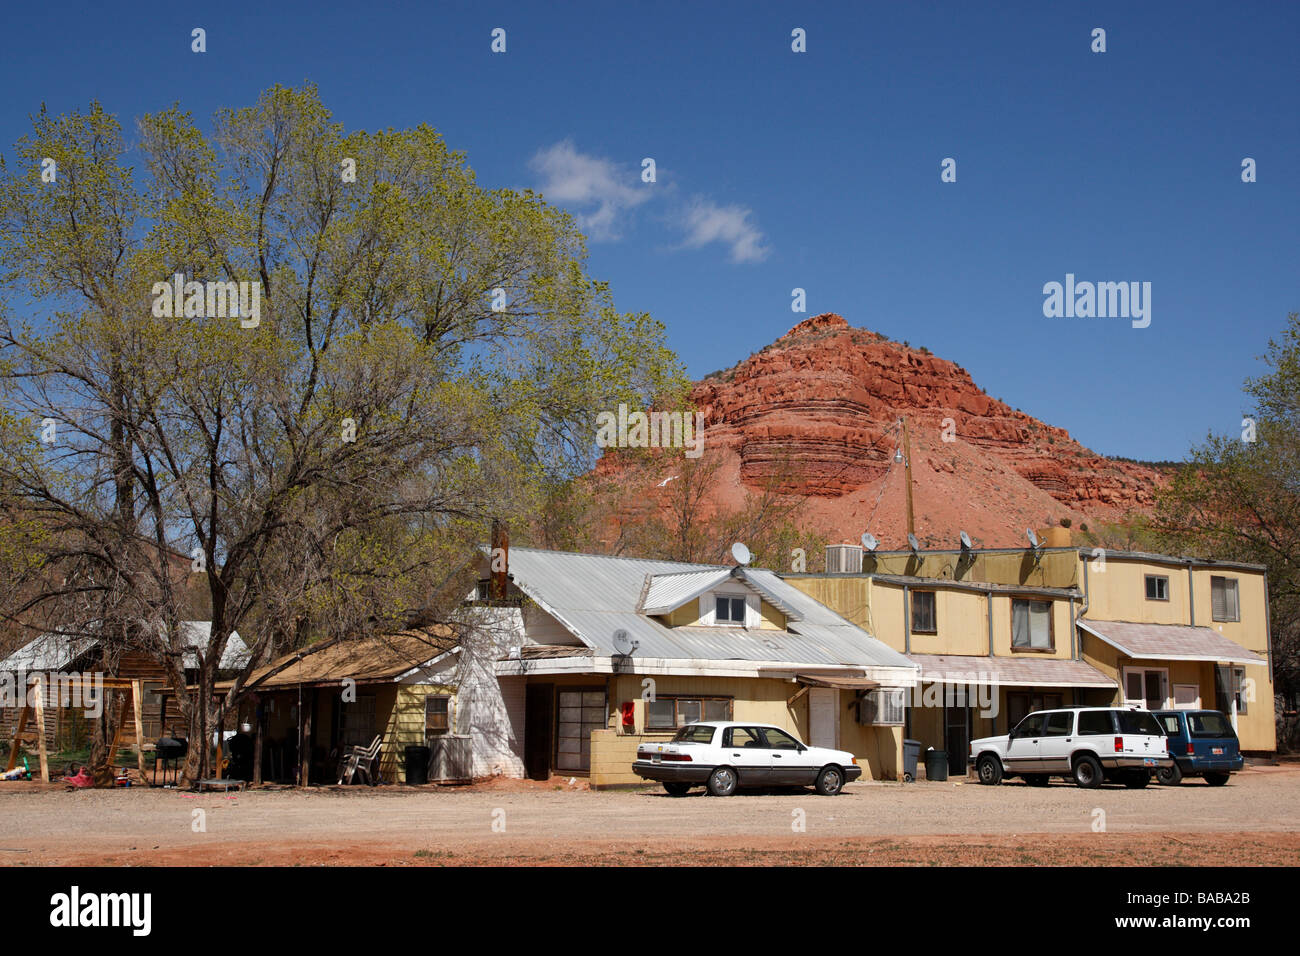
{"x":1223,"y":599}
{"x":730,"y":610}
{"x":779,"y":739}
{"x":669,"y":713}
{"x":1209,"y":724}
{"x":357,"y":725}
{"x":437,"y":714}
{"x":1019,"y":704}
{"x":1139,"y":722}
{"x":1095,"y":723}
{"x":1231,"y":688}
{"x":1031,"y":624}
{"x":1157,"y":587}
{"x":742,"y":737}
{"x":1031,"y":726}
{"x":1172,"y":727}
{"x":1147,"y":687}
{"x":1060,"y":724}
{"x":924,"y":620}
{"x":581,"y":712}
{"x":695,"y":734}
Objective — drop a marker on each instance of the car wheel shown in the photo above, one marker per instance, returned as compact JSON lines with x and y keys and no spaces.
{"x":989,"y":769}
{"x":1037,"y":779}
{"x":1087,"y":772}
{"x":1216,"y":779}
{"x":678,"y":789}
{"x":1136,"y":779}
{"x":907,"y":778}
{"x":830,"y":781}
{"x":1169,"y":776}
{"x":722,"y":782}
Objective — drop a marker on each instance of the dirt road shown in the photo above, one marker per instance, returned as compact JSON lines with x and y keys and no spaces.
{"x":1252,"y":820}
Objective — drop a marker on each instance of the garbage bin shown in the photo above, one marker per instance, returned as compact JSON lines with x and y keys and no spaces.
{"x":417,"y":765}
{"x":911,"y":754}
{"x":936,"y":764}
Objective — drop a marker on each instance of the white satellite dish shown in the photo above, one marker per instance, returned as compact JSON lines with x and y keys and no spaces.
{"x":869,"y":541}
{"x":913,"y":543}
{"x":623,"y":643}
{"x":741,"y":554}
{"x":965,"y":541}
{"x":1033,"y":538}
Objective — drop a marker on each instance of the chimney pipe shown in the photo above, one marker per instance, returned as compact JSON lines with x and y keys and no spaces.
{"x":499,"y":560}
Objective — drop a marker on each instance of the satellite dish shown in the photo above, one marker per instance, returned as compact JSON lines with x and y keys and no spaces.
{"x":741,"y":554}
{"x":869,"y":541}
{"x":965,"y":541}
{"x":913,"y":543}
{"x":1033,"y":538}
{"x":623,"y":643}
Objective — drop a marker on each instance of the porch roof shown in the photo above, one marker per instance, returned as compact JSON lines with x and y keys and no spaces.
{"x":1170,"y":642}
{"x":1009,"y":671}
{"x":371,"y":660}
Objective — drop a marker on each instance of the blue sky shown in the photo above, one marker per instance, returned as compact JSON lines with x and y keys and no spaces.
{"x":821,"y":170}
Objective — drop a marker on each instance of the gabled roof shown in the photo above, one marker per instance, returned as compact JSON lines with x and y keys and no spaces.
{"x":57,"y":651}
{"x":1170,"y":642}
{"x":667,"y":592}
{"x":593,"y":596}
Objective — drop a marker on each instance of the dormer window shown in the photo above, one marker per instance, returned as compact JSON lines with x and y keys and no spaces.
{"x":730,"y":610}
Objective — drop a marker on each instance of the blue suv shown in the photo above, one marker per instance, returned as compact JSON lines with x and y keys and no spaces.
{"x":1202,"y":743}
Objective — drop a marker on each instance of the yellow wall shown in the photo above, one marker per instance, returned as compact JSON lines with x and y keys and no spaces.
{"x":688,"y":615}
{"x":405,"y":725}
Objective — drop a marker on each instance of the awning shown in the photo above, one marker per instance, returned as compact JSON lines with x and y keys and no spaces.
{"x":1009,"y":671}
{"x":1170,"y":642}
{"x":839,"y":683}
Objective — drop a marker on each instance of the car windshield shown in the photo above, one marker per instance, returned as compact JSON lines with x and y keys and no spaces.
{"x":694,"y":734}
{"x":1209,"y":723}
{"x":1139,"y":722}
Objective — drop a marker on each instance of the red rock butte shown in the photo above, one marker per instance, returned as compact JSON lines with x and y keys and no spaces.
{"x":816,"y":413}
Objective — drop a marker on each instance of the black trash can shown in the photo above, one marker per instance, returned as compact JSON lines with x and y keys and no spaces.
{"x":936,"y":764}
{"x":417,"y":765}
{"x":911,"y":754}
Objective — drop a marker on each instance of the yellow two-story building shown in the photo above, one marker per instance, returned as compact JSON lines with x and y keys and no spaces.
{"x":999,"y":633}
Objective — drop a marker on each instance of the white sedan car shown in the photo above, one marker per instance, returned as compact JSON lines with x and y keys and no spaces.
{"x":725,"y":756}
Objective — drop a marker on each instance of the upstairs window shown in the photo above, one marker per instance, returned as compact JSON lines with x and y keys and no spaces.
{"x":924,"y":620}
{"x":1157,"y":587}
{"x":1223,"y":599}
{"x":730,"y":610}
{"x":1031,"y":625}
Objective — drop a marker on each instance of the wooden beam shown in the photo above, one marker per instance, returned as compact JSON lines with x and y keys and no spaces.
{"x":40,"y":729}
{"x":22,"y":725}
{"x":304,"y":751}
{"x":137,"y":705}
{"x":793,"y":700}
{"x":117,"y":736}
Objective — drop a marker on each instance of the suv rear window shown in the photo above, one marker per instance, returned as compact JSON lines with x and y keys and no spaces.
{"x":695,"y":734}
{"x":1095,"y":722}
{"x":1172,"y":727}
{"x":1059,"y":724}
{"x":1210,"y":723}
{"x":1139,"y":722}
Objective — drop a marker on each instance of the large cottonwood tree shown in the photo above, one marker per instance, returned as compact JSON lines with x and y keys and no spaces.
{"x":430,"y":354}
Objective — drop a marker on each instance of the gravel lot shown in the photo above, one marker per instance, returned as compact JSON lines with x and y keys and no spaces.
{"x":1254,"y":815}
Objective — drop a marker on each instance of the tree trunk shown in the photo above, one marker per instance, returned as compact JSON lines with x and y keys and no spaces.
{"x":101,"y":747}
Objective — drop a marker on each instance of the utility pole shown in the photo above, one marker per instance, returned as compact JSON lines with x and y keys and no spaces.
{"x":907,"y":471}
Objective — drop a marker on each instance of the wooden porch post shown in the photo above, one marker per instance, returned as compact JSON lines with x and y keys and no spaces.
{"x":40,"y":729}
{"x":304,"y":750}
{"x":257,"y":740}
{"x":137,"y":702}
{"x":18,"y":732}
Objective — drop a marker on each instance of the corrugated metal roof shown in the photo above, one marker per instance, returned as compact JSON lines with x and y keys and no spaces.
{"x":596,"y":595}
{"x":1170,"y":642}
{"x":57,"y":651}
{"x":1009,"y":671}
{"x":195,"y":634}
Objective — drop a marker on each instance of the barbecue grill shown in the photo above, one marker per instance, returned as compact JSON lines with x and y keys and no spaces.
{"x":169,"y":751}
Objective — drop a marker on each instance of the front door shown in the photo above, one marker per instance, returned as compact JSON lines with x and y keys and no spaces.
{"x":790,"y":765}
{"x":538,"y":721}
{"x":957,"y":736}
{"x":582,"y":710}
{"x":1022,"y":750}
{"x":823,"y":717}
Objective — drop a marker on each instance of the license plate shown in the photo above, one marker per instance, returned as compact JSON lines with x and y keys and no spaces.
{"x":657,"y":758}
{"x":1148,"y":761}
{"x":1217,"y":750}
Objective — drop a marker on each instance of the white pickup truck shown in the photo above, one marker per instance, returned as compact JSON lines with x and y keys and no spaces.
{"x":1086,"y":744}
{"x":724,"y":756}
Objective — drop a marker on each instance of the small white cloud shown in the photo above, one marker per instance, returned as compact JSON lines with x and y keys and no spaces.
{"x":597,"y":191}
{"x":704,"y":221}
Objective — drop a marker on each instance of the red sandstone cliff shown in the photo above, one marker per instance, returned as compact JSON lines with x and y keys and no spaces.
{"x":819,"y":407}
